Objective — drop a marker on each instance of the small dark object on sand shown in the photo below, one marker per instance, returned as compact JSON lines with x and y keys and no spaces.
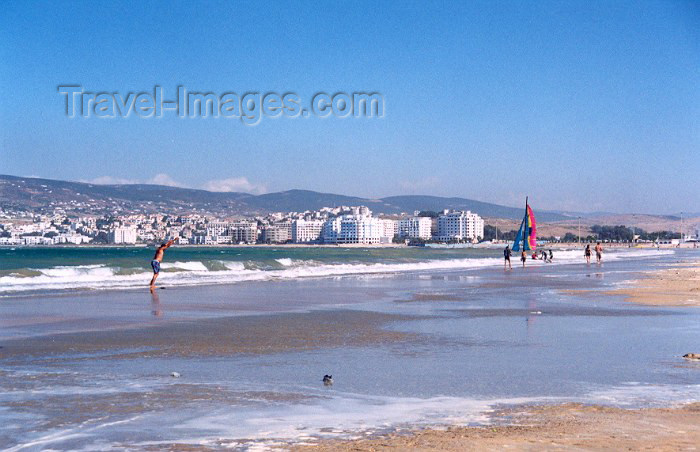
{"x":328,"y":380}
{"x":695,"y":356}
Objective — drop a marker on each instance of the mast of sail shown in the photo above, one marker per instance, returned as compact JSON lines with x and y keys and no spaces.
{"x":527,"y":234}
{"x":526,"y":229}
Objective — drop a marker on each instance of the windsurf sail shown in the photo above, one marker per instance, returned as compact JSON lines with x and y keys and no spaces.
{"x":527,"y":234}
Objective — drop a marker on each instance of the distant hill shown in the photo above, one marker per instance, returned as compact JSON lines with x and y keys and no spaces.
{"x":642,"y":221}
{"x":22,"y":193}
{"x":301,"y":200}
{"x":436,"y":203}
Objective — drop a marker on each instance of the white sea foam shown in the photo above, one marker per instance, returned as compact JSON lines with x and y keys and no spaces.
{"x":635,"y":394}
{"x":236,"y":266}
{"x":348,"y":415}
{"x":196,"y":272}
{"x":343,"y":415}
{"x":191,"y":266}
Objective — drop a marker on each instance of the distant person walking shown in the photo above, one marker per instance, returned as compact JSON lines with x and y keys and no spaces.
{"x":551,"y":256}
{"x":587,"y":253}
{"x":506,"y":256}
{"x":599,"y":253}
{"x":155,"y":263}
{"x":523,"y":257}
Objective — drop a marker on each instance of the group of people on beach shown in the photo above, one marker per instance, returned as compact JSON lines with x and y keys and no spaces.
{"x":548,"y":256}
{"x":598,"y":253}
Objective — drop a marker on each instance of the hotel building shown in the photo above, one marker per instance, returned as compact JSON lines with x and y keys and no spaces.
{"x":415,"y":228}
{"x":307,"y":231}
{"x":122,"y":235}
{"x":459,"y":225}
{"x":353,"y":229}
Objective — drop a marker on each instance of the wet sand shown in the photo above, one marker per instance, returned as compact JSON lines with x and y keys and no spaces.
{"x":558,"y":427}
{"x":225,"y":336}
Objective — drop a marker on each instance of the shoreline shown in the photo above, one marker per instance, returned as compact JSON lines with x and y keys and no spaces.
{"x":429,"y":264}
{"x":548,"y":427}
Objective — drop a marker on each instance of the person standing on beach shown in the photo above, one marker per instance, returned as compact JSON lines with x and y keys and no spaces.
{"x":155,"y":263}
{"x":506,"y":256}
{"x":587,"y":253}
{"x":599,"y":253}
{"x":551,"y":256}
{"x":523,"y":257}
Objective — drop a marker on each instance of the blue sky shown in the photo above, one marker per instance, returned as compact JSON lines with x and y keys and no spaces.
{"x":580,"y":105}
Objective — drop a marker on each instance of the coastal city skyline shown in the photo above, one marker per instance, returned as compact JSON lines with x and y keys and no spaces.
{"x":44,"y":212}
{"x":341,"y":225}
{"x":515,"y":102}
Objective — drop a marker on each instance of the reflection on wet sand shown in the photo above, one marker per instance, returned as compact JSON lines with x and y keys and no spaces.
{"x":155,"y":304}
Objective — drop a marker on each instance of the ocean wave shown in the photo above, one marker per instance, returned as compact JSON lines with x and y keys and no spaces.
{"x":220,"y":271}
{"x":193,"y":266}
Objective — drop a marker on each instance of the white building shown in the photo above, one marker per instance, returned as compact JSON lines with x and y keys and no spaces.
{"x":216,"y":229}
{"x":390,"y":228}
{"x":76,"y":239}
{"x":353,"y":229}
{"x":277,"y":233}
{"x":305,"y":231}
{"x":244,"y":231}
{"x":459,"y":225}
{"x":231,"y":232}
{"x":36,"y":240}
{"x":123,"y":235}
{"x":415,"y":228}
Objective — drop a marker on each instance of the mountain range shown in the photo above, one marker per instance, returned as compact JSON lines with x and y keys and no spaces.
{"x":35,"y":194}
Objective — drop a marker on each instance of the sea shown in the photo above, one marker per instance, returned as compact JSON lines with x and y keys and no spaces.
{"x":231,"y":349}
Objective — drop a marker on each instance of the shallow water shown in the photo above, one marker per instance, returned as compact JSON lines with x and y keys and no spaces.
{"x":406,"y":348}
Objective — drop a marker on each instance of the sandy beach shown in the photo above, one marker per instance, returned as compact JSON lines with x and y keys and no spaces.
{"x":675,"y":286}
{"x":559,"y":427}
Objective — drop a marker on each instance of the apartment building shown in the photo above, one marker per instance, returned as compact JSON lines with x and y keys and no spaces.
{"x":459,"y":225}
{"x":306,"y":231}
{"x":122,"y":235}
{"x":415,"y":228}
{"x":351,"y":229}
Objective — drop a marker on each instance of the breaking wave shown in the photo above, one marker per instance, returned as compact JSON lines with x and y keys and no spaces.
{"x":195,"y":272}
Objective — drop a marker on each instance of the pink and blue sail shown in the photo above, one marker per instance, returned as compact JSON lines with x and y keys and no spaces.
{"x":527,"y":234}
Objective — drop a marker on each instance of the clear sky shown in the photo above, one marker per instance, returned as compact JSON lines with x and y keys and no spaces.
{"x":581,"y":105}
